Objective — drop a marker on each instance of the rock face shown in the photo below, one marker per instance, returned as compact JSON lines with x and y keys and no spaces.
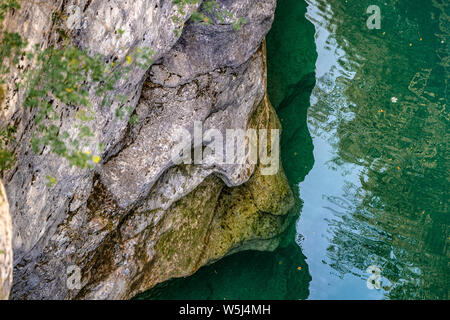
{"x":6,"y":254}
{"x":138,"y":218}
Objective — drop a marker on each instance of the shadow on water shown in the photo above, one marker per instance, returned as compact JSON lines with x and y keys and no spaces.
{"x":282,"y":274}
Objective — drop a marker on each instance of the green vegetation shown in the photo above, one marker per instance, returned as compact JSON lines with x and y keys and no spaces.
{"x":58,"y":78}
{"x":6,"y":157}
{"x":11,"y":45}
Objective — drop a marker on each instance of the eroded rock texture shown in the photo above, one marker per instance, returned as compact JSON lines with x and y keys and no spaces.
{"x":138,"y":219}
{"x":6,"y":254}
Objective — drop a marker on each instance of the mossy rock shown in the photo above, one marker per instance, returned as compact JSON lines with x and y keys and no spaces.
{"x":214,"y":220}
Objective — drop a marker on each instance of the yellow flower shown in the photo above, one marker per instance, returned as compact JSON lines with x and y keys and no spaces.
{"x":69,"y":89}
{"x":129,"y":59}
{"x":96,"y":159}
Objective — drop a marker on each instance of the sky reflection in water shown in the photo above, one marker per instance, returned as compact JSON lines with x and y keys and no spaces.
{"x":378,"y":192}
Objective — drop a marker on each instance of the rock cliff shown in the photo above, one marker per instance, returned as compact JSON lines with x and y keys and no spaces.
{"x":137,"y":218}
{"x":6,"y":254}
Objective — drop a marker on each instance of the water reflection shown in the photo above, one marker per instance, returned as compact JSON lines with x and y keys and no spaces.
{"x":282,"y":274}
{"x":378,"y":193}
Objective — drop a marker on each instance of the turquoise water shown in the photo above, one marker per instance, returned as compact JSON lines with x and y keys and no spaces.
{"x":378,"y":192}
{"x":365,"y":148}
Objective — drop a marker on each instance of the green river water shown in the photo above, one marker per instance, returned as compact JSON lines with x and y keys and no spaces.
{"x":365,"y":148}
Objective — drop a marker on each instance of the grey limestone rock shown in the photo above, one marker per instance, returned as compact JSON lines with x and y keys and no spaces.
{"x":138,"y":218}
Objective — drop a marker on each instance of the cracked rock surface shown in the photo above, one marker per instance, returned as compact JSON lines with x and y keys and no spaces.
{"x":6,"y":254}
{"x":138,"y":218}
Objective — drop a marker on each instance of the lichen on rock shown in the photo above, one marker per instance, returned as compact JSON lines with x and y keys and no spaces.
{"x":215,"y":220}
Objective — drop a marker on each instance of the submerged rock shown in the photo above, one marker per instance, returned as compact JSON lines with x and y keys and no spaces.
{"x":138,"y":219}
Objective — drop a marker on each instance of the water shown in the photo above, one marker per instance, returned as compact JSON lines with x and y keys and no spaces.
{"x":378,"y":192}
{"x":365,"y":147}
